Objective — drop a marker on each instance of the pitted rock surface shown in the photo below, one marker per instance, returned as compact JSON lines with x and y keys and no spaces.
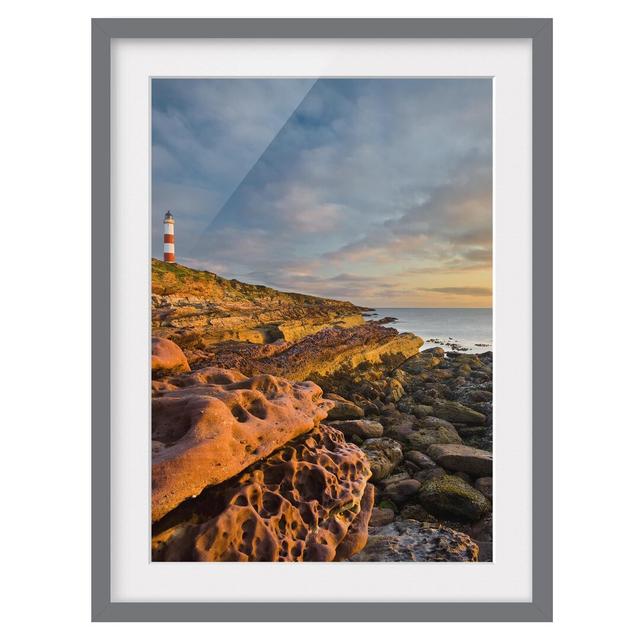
{"x":210,"y":425}
{"x":308,"y":501}
{"x":413,"y":541}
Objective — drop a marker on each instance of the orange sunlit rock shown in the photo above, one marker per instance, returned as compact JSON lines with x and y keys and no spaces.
{"x":214,"y":423}
{"x":308,"y":501}
{"x":167,"y":357}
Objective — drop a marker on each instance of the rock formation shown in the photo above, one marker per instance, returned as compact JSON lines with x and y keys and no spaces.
{"x":200,"y":309}
{"x":287,"y":428}
{"x":412,"y":541}
{"x":308,"y":501}
{"x":221,"y":422}
{"x":328,"y":353}
{"x":459,"y":457}
{"x":167,"y":357}
{"x":383,"y":454}
{"x":451,"y":497}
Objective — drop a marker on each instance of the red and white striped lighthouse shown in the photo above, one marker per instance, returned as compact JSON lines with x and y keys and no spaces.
{"x":169,"y":239}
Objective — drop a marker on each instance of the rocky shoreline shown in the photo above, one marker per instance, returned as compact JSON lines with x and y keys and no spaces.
{"x":290,"y":428}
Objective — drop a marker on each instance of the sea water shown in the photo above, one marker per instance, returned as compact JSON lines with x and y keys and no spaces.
{"x":468,"y":328}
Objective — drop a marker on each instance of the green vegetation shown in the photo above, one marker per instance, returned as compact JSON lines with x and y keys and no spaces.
{"x":168,"y":279}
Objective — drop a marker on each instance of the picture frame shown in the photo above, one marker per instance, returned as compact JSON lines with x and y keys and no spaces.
{"x":539,"y":31}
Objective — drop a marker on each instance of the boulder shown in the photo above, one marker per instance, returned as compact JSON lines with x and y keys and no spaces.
{"x":419,"y":434}
{"x":440,"y":375}
{"x":421,"y":459}
{"x":396,"y":477}
{"x":412,"y":541}
{"x":456,"y":412}
{"x":406,"y":404}
{"x":380,"y":517}
{"x":485,"y":487}
{"x":308,"y":501}
{"x":383,"y":454}
{"x":343,"y":409}
{"x":428,"y":474}
{"x":425,"y":395}
{"x":411,"y":467}
{"x":422,"y":362}
{"x":360,"y":428}
{"x":470,"y":360}
{"x":481,"y":532}
{"x":369,"y":407}
{"x":167,"y":357}
{"x":459,"y":457}
{"x":416,"y":512}
{"x":422,"y":411}
{"x":464,"y":370}
{"x":394,"y":390}
{"x":213,"y":429}
{"x":400,"y":491}
{"x":480,"y":395}
{"x":451,"y":497}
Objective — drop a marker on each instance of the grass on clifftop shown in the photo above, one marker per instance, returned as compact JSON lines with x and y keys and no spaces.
{"x":168,"y":279}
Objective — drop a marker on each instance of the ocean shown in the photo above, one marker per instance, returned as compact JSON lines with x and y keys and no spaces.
{"x":468,"y":328}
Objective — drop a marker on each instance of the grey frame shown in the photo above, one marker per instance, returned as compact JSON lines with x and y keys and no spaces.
{"x":540,"y":32}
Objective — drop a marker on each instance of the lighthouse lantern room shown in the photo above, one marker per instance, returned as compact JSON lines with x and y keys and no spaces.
{"x":169,"y":239}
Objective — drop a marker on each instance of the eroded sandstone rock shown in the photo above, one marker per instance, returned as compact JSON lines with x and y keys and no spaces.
{"x":308,"y":501}
{"x":198,"y":309}
{"x":220,"y":422}
{"x":167,"y":357}
{"x":329,"y":351}
{"x":332,"y":356}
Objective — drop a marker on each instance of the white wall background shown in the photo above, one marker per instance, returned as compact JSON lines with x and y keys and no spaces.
{"x":45,"y":153}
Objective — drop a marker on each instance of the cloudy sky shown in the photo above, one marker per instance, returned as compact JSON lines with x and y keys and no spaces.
{"x":376,"y":191}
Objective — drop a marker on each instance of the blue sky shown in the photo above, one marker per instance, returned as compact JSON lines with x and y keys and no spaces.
{"x":372,"y":190}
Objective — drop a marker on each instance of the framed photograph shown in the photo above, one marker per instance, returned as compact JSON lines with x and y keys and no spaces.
{"x":322,"y":320}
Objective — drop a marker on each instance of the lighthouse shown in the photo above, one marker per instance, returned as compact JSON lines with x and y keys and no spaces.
{"x":169,"y":239}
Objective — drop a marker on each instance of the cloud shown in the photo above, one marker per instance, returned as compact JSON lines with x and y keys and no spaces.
{"x":452,"y":222}
{"x":369,"y":189}
{"x":463,"y":291}
{"x":344,"y":286}
{"x":206,"y":136}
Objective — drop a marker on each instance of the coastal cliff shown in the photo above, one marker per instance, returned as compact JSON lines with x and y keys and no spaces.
{"x":286,"y":427}
{"x":197,"y":309}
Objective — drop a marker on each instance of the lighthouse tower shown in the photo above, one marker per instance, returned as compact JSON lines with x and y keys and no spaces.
{"x":169,"y":239}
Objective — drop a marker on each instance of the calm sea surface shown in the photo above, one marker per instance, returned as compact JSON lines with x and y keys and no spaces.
{"x":468,"y":328}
